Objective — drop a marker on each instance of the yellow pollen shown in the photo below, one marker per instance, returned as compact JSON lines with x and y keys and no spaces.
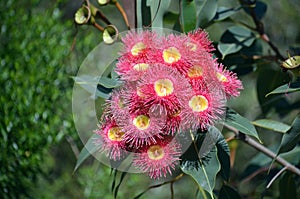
{"x":121,"y":103}
{"x":192,"y":46}
{"x":140,"y":93}
{"x":198,"y":103}
{"x":221,"y":77}
{"x":137,"y":48}
{"x":141,"y":67}
{"x":171,"y":55}
{"x":195,"y":71}
{"x":163,"y":87}
{"x":115,"y":134}
{"x":155,"y":152}
{"x":141,"y":122}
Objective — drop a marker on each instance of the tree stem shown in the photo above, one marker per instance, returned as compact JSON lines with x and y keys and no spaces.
{"x":265,"y":150}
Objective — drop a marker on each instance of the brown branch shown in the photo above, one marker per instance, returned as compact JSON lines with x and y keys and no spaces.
{"x":118,"y":5}
{"x":265,"y":150}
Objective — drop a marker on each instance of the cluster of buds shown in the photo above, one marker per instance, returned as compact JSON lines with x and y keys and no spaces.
{"x":171,"y":85}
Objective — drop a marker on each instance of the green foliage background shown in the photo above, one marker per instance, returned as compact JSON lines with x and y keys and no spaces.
{"x":38,"y":141}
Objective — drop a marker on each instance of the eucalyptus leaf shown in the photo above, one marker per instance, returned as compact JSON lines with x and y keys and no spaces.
{"x":260,"y":9}
{"x":158,"y":9}
{"x":287,"y":186}
{"x":291,"y":138}
{"x":228,"y":192}
{"x":89,"y":148}
{"x":272,"y":125}
{"x":286,"y":88}
{"x":206,"y":11}
{"x":224,"y":12}
{"x":188,"y":16}
{"x":205,"y":176}
{"x":242,"y":124}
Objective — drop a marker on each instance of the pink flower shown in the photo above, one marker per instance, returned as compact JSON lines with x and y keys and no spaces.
{"x":164,"y":86}
{"x":111,"y":140}
{"x":141,"y":128}
{"x":230,"y":83}
{"x":205,"y":106}
{"x":158,"y":159}
{"x":199,"y":39}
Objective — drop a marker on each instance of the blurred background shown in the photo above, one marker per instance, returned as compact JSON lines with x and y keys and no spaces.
{"x":41,"y":49}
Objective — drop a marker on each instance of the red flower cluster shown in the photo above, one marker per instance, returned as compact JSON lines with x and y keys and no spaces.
{"x":172,"y":84}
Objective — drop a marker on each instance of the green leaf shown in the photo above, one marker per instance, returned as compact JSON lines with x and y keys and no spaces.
{"x":286,"y":88}
{"x":224,"y":158}
{"x":205,"y":176}
{"x":202,"y":194}
{"x":272,"y":125}
{"x":224,"y":13}
{"x":226,"y":49}
{"x":188,"y":16}
{"x":158,"y":9}
{"x":206,"y":11}
{"x":89,"y":148}
{"x":234,"y":39}
{"x":260,"y":9}
{"x":287,"y":186}
{"x":240,"y":123}
{"x":291,"y":138}
{"x":228,"y":192}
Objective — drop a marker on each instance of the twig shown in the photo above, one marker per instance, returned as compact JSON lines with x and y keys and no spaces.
{"x":118,"y":5}
{"x":260,"y":29}
{"x":276,"y":176}
{"x":263,"y":149}
{"x":161,"y":184}
{"x":172,"y":190}
{"x":73,"y":146}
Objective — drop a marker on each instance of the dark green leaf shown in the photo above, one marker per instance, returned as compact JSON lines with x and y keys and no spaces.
{"x":259,"y":9}
{"x":224,"y":158}
{"x":272,"y":125}
{"x":223,"y":13}
{"x":268,"y":79}
{"x":287,"y":186}
{"x":205,"y":176}
{"x":240,"y":123}
{"x":228,"y":192}
{"x":89,"y":148}
{"x":286,"y":88}
{"x":188,"y":15}
{"x":206,"y":10}
{"x":291,"y":138}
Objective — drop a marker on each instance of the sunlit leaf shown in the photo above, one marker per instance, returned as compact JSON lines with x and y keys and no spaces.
{"x":291,"y":138}
{"x":272,"y":125}
{"x":89,"y":148}
{"x":240,"y":123}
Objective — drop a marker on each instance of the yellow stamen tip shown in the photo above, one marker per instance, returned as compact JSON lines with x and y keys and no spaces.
{"x":163,"y":87}
{"x":141,"y":67}
{"x":171,"y":55}
{"x":221,"y":77}
{"x":137,"y":48}
{"x":141,"y":122}
{"x":195,"y":71}
{"x":198,"y":103}
{"x":155,"y":152}
{"x":115,"y":134}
